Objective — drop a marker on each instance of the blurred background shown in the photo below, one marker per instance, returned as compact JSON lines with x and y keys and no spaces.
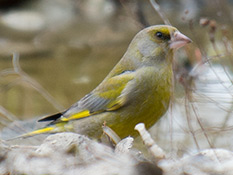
{"x":66,"y":48}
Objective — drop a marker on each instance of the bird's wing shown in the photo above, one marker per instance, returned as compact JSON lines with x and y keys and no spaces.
{"x":107,"y":96}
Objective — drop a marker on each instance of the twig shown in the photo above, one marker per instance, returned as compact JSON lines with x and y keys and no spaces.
{"x":157,"y":8}
{"x":33,"y":83}
{"x":189,"y":118}
{"x":156,"y":151}
{"x":7,"y":114}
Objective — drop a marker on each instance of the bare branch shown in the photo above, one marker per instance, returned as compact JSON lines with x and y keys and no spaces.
{"x":7,"y":114}
{"x":157,"y":8}
{"x":25,"y":77}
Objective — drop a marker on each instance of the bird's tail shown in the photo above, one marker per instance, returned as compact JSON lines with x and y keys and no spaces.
{"x":49,"y":129}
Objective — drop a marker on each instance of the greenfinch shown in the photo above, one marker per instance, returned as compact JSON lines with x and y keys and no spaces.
{"x":138,"y":89}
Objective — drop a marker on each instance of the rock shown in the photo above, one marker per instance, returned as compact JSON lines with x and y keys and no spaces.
{"x":27,"y":21}
{"x":68,"y":153}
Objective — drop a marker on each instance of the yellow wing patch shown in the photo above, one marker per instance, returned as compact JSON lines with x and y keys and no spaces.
{"x":76,"y":116}
{"x":112,"y":87}
{"x":116,"y":104}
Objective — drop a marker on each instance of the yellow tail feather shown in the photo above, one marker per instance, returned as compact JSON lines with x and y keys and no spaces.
{"x":33,"y":133}
{"x":55,"y":128}
{"x":39,"y":131}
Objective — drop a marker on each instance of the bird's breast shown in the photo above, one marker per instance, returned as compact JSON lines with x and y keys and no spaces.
{"x":149,"y":100}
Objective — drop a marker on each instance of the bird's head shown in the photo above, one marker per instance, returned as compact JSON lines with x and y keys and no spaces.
{"x":167,"y":36}
{"x":159,"y":40}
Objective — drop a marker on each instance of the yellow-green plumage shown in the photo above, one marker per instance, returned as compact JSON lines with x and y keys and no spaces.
{"x":138,"y":89}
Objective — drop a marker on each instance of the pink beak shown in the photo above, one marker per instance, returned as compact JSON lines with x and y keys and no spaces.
{"x":179,"y":40}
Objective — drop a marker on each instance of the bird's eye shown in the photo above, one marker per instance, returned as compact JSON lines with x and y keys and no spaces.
{"x":159,"y":35}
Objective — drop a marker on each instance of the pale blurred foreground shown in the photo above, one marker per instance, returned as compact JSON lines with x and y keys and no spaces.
{"x":69,"y":153}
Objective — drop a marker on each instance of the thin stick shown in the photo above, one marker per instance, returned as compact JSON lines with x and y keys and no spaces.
{"x":157,"y":8}
{"x":33,"y":83}
{"x":155,"y":150}
{"x":7,"y":114}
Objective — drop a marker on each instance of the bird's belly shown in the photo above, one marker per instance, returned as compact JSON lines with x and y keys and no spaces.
{"x":147,"y":111}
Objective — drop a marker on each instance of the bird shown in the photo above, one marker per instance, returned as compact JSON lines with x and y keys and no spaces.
{"x":137,"y":90}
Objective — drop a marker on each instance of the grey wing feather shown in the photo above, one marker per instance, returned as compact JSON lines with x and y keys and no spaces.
{"x":89,"y":102}
{"x":93,"y":102}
